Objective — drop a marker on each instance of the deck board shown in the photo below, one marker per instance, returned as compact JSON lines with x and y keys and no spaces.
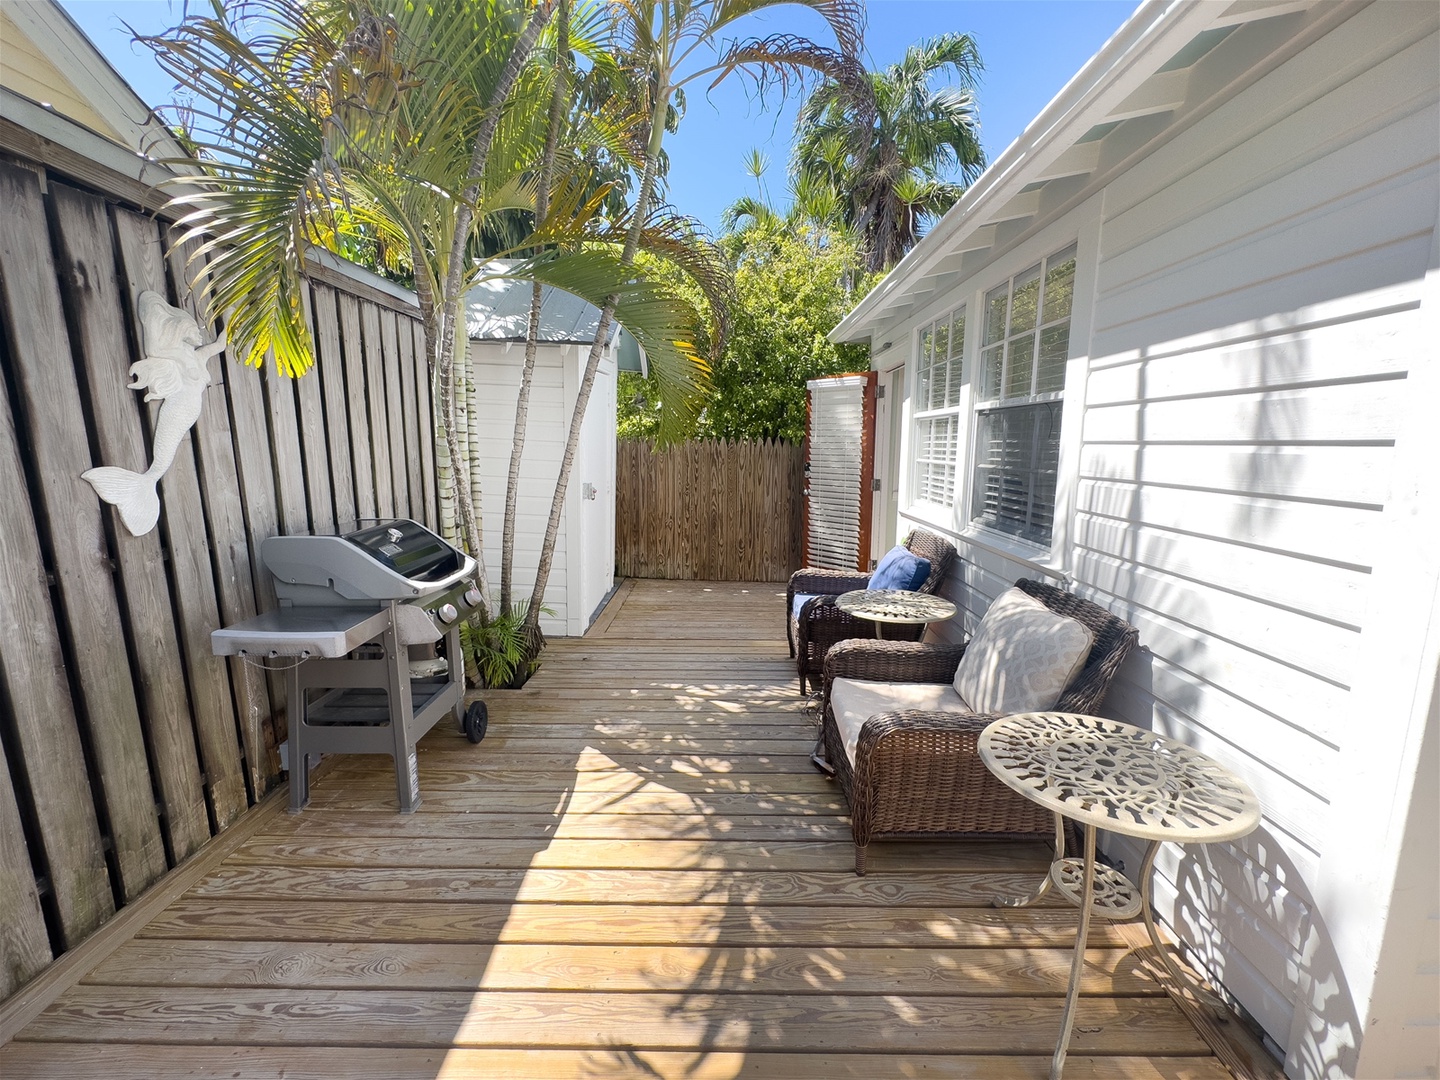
{"x":638,"y":873}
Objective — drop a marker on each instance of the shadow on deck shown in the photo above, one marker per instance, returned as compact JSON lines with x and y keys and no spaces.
{"x":637,"y":874}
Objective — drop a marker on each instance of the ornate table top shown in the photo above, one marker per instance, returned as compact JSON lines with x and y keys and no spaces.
{"x":1119,"y":778}
{"x":895,"y":606}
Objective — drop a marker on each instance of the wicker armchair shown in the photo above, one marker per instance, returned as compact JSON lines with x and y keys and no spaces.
{"x":918,"y":775}
{"x":820,"y":624}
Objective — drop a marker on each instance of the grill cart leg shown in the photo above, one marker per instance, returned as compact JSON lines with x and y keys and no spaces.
{"x":299,"y":758}
{"x":402,"y":719}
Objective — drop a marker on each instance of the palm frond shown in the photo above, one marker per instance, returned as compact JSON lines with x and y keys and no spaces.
{"x":660,"y":320}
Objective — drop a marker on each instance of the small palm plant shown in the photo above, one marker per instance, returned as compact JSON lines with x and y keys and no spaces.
{"x":499,"y":654}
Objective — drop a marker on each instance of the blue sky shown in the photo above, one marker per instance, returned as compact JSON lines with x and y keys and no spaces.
{"x":1030,"y":48}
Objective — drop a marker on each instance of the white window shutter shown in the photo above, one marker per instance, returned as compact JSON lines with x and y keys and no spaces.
{"x":839,"y":471}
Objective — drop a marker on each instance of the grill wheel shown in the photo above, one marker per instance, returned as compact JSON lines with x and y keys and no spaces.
{"x":477,"y":719}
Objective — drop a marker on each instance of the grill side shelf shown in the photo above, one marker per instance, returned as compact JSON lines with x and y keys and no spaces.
{"x":328,"y":632}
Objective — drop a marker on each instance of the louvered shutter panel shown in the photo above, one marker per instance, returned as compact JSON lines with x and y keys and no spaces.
{"x":839,"y":471}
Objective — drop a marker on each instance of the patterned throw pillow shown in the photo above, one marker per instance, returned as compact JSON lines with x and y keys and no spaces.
{"x":901,"y":568}
{"x":1022,"y":657}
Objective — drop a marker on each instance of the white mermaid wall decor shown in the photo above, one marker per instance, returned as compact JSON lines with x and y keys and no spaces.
{"x":175,"y":371}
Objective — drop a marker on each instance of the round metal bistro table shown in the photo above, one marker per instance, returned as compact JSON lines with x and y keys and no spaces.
{"x":899,"y":606}
{"x":1108,"y":775}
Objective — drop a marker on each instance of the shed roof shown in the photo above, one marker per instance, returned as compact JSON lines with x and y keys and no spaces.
{"x":499,"y":310}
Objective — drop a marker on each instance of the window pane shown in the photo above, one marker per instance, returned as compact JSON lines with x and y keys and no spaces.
{"x":995,"y":308}
{"x":924,"y":372}
{"x":1026,"y":305}
{"x":936,"y":448}
{"x":1022,"y":362}
{"x":957,"y":359}
{"x":993,"y":360}
{"x":957,"y":373}
{"x":1059,"y":286}
{"x":1054,"y":350}
{"x":1017,"y":452}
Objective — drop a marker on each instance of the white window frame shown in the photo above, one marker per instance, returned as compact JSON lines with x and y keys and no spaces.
{"x":993,"y":401}
{"x":1081,"y":227}
{"x":953,"y":406}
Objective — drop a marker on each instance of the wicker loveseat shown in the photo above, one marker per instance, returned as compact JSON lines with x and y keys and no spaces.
{"x":815,"y":625}
{"x":916,"y":774}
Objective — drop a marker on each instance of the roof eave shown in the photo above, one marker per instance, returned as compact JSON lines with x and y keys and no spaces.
{"x":1156,"y":30}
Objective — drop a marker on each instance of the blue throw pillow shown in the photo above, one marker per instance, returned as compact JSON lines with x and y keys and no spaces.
{"x":901,"y":568}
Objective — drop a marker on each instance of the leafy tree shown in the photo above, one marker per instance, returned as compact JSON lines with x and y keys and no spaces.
{"x":665,"y":45}
{"x":790,"y":291}
{"x":403,"y":126}
{"x":887,"y":145}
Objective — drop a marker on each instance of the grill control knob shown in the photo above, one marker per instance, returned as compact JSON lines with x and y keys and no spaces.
{"x":472,"y":596}
{"x":447,"y":613}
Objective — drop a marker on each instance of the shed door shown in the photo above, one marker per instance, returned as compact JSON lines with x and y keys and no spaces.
{"x":839,"y":471}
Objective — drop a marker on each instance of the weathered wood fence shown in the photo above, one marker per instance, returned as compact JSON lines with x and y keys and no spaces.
{"x":708,"y":510}
{"x":124,"y":744}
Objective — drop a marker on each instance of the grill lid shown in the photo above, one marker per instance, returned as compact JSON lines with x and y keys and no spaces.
{"x":411,"y":550}
{"x":393,"y":560}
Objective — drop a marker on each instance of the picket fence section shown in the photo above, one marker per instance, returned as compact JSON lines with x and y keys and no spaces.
{"x":124,"y":744}
{"x":708,"y":510}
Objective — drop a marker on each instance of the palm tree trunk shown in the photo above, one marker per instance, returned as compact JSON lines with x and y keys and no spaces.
{"x":452,"y":305}
{"x":592,"y":364}
{"x":477,"y":471}
{"x":532,"y":334}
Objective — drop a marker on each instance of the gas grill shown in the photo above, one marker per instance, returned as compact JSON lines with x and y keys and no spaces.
{"x":353,"y":609}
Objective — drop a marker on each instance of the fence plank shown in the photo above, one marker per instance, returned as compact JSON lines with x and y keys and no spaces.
{"x":410,"y":417}
{"x":51,"y":759}
{"x":87,"y":259}
{"x":707,"y":510}
{"x":262,"y":721}
{"x":356,"y":385}
{"x":24,"y":944}
{"x":229,"y":547}
{"x":330,"y":368}
{"x":312,"y":439}
{"x":379,"y":433}
{"x":426,"y":414}
{"x":285,"y":451}
{"x":45,"y":381}
{"x":190,"y":547}
{"x":390,"y":379}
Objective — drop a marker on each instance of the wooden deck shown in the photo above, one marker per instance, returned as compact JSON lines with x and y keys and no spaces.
{"x":637,"y":874}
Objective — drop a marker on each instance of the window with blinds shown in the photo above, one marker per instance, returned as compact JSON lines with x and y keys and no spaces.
{"x":1024,"y":347}
{"x":939,"y":373}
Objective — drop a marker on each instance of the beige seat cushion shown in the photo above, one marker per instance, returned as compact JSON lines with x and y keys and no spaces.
{"x":854,"y":702}
{"x":1022,"y":656}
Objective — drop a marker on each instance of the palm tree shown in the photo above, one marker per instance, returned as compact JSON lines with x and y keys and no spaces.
{"x":400,"y":125}
{"x":887,"y":145}
{"x":667,"y":45}
{"x":815,"y":211}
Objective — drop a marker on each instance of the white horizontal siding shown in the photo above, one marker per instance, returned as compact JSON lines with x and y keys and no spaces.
{"x":1255,"y":319}
{"x":1247,"y":367}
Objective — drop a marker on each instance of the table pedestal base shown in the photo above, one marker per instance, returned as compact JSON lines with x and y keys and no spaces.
{"x":1102,"y":891}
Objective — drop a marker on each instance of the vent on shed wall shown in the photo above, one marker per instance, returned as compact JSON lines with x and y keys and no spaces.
{"x":839,"y":470}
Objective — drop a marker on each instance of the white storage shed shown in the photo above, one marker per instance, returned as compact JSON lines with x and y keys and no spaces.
{"x":1176,"y":350}
{"x":583,"y":572}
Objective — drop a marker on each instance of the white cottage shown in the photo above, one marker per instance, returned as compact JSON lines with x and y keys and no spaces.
{"x":583,"y":572}
{"x":1176,"y":350}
